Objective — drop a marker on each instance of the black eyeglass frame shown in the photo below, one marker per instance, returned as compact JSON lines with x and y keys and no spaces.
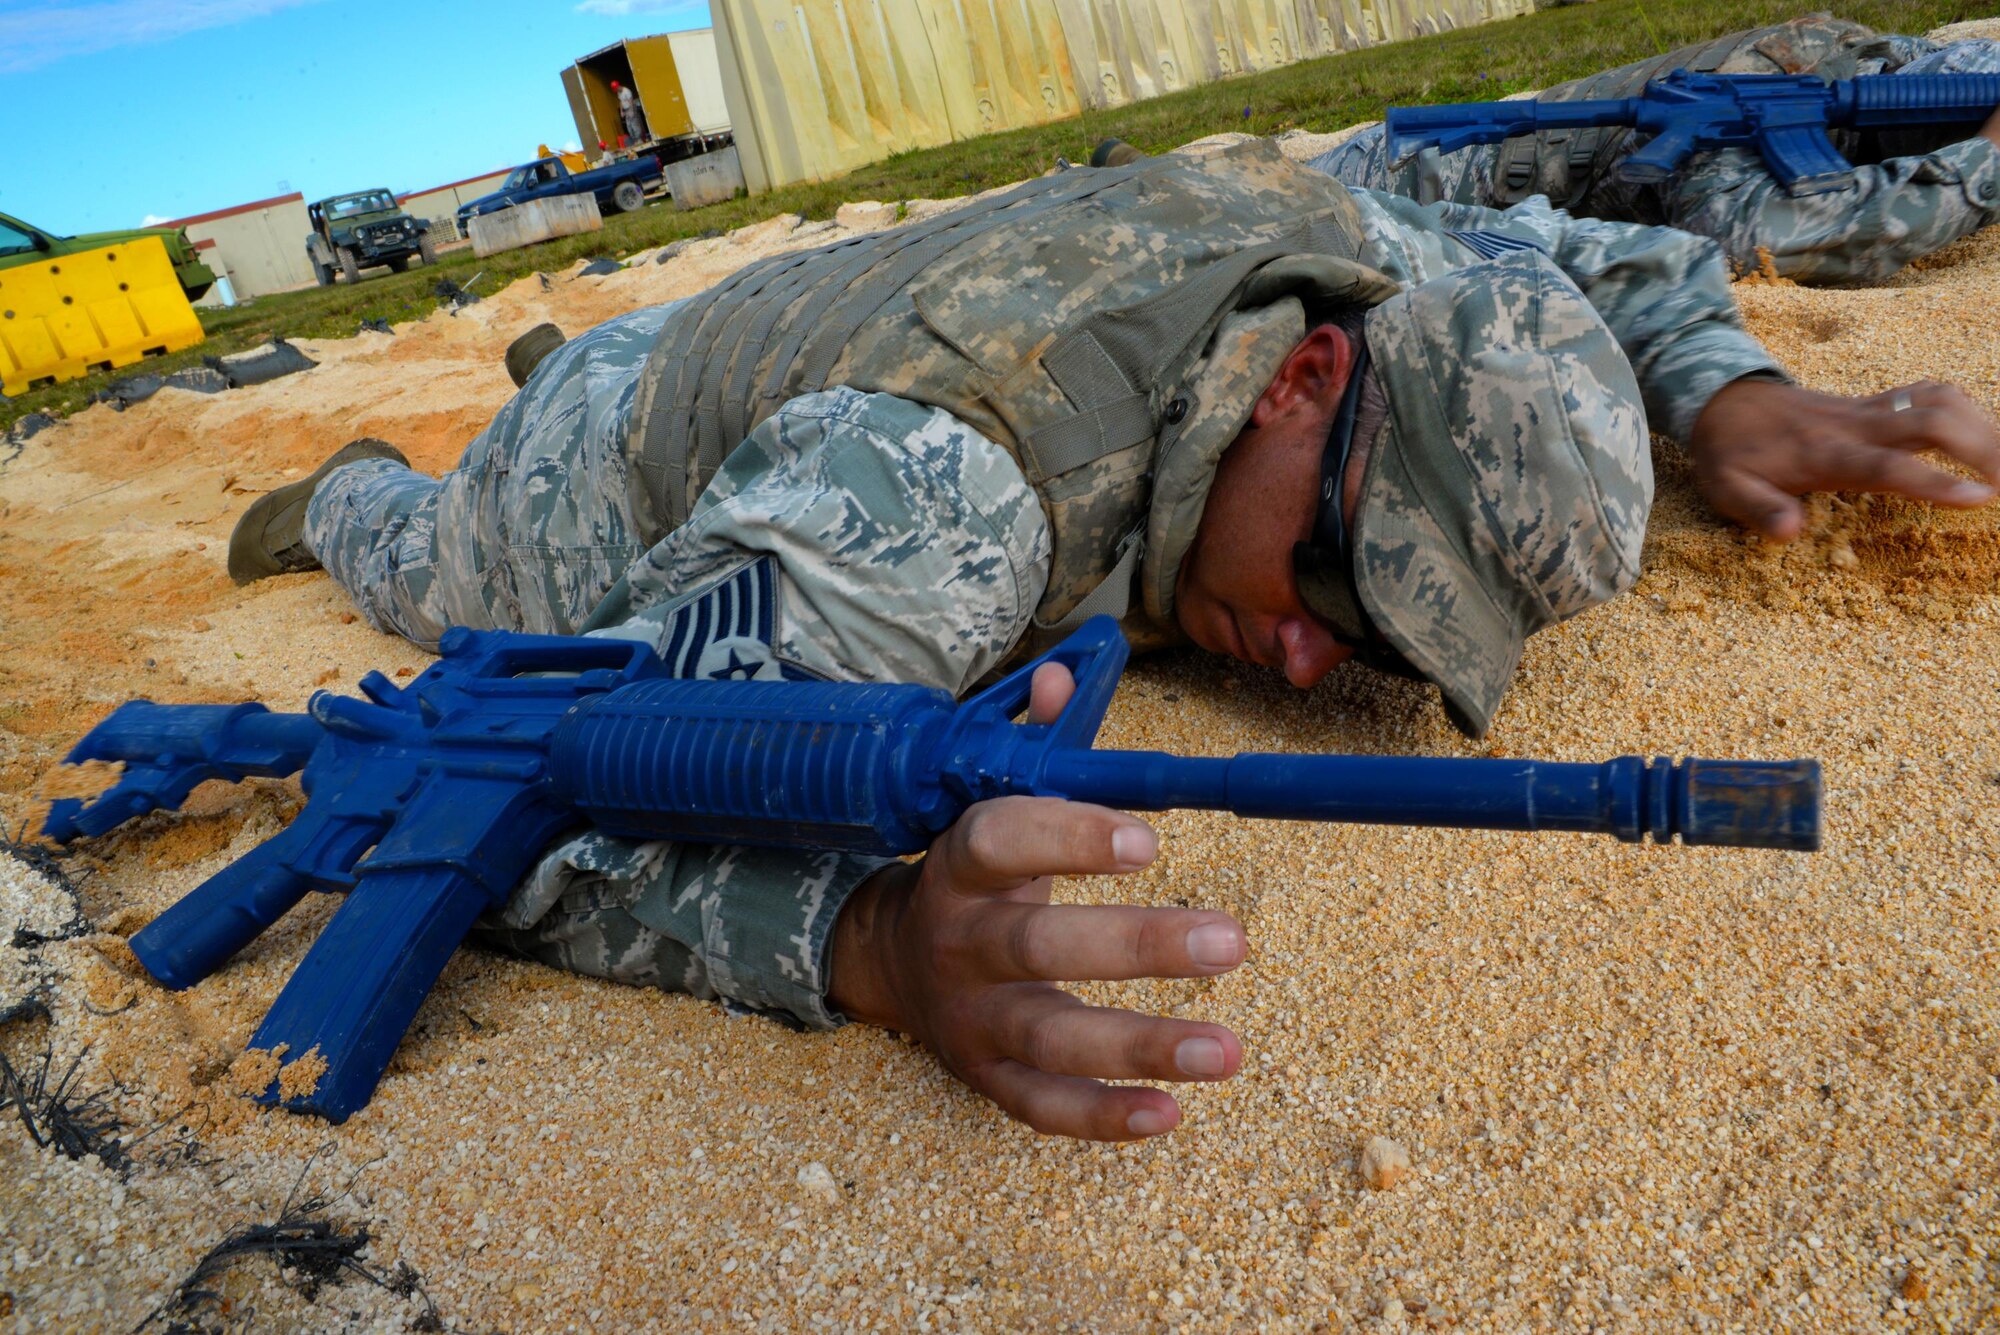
{"x":1324,"y":566}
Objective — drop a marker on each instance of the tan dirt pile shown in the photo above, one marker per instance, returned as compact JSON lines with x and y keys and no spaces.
{"x":1617,"y":1086}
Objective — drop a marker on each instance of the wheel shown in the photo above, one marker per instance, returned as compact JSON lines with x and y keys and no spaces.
{"x":627,"y":197}
{"x":350,"y":269}
{"x":322,"y":273}
{"x":401,"y":264}
{"x":426,"y":250}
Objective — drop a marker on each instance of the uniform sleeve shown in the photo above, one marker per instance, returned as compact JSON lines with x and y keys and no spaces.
{"x":1663,"y":294}
{"x":1464,"y":176}
{"x":851,"y":537}
{"x":1896,"y":211}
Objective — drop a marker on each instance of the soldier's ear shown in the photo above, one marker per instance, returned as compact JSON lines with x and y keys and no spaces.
{"x":1313,"y":374}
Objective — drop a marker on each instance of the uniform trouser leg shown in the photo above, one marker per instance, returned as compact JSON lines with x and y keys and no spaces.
{"x":532,"y":528}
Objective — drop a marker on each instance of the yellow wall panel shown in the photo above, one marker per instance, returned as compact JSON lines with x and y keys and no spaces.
{"x":819,"y":87}
{"x":658,"y":79}
{"x":62,"y":317}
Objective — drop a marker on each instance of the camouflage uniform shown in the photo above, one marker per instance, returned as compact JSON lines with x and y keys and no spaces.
{"x":1919,"y":197}
{"x":859,"y":531}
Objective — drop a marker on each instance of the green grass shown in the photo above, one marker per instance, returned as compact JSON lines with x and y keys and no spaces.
{"x":1475,"y":64}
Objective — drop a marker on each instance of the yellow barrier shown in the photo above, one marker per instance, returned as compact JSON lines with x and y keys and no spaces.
{"x":64,"y":316}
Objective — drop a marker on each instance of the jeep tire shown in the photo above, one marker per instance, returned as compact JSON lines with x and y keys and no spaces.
{"x":322,"y":273}
{"x":627,"y":197}
{"x":350,"y":268}
{"x":426,"y":250}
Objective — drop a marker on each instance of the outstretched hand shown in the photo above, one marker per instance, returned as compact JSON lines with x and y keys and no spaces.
{"x":964,"y":952}
{"x":1759,"y":445}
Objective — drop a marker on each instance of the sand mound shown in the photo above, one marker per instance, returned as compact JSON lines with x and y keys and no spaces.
{"x":1636,"y":1086}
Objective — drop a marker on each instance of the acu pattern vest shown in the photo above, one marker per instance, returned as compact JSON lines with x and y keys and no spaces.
{"x":1059,"y":319}
{"x":1566,"y":165}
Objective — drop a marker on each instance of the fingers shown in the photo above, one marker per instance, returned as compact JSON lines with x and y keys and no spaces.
{"x":1050,"y":1030}
{"x":1016,"y":942}
{"x":1888,"y":469}
{"x":1067,"y":1105}
{"x":1878,"y":457}
{"x":1931,"y":416}
{"x":1764,"y":509}
{"x":1048,"y":691}
{"x":999,"y":845}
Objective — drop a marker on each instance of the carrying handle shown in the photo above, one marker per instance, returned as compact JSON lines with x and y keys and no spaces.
{"x":498,"y":654}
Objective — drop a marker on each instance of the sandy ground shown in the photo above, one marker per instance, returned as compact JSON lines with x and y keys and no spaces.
{"x":1638,"y":1087}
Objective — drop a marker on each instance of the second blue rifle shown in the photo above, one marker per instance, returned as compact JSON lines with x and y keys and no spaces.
{"x":1785,"y":117}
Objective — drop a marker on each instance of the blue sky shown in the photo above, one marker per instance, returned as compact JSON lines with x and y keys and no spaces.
{"x":120,"y":110}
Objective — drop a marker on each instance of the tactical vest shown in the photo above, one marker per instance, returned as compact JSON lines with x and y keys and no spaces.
{"x":1566,"y":164}
{"x":1062,"y":319}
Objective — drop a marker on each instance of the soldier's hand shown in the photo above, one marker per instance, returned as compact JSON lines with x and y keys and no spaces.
{"x":1992,"y":127}
{"x":1760,"y":445}
{"x":964,"y":952}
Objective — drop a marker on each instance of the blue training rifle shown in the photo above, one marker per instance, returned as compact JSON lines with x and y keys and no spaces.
{"x":1785,"y":117}
{"x":427,"y":803}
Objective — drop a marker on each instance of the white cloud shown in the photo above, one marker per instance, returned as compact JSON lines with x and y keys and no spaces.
{"x":572,"y":147}
{"x":620,"y":8}
{"x":154,"y":220}
{"x":44,"y":33}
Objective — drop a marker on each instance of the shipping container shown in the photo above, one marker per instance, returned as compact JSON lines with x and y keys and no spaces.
{"x":678,"y":86}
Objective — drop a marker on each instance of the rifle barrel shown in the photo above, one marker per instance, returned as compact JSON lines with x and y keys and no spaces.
{"x":1758,"y":804}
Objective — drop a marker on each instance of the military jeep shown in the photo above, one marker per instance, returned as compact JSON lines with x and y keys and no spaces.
{"x":355,"y":232}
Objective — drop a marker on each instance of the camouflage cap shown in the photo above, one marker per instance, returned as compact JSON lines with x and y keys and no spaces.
{"x":1510,"y":486}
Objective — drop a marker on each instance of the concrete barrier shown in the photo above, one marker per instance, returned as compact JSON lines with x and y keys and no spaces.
{"x":536,"y":220}
{"x":707,"y":178}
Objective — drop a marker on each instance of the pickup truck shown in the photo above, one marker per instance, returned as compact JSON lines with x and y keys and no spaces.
{"x":24,"y":243}
{"x":620,"y":187}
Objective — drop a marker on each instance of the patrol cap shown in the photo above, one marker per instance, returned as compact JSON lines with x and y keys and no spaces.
{"x":1509,"y":488}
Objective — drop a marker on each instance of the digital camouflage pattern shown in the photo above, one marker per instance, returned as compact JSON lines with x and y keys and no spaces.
{"x":852,"y":536}
{"x":1664,"y":295}
{"x":1920,"y":197}
{"x":912,"y":548}
{"x":532,"y":527}
{"x":868,"y":536}
{"x":1509,"y":488}
{"x":749,"y":926}
{"x":1060,"y":319}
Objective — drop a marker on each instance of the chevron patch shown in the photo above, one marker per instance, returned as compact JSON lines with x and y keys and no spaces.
{"x":1492,"y":245}
{"x":726,"y":632}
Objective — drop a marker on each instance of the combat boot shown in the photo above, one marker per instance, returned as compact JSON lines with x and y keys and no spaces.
{"x":270,"y":537}
{"x":1115,"y":153}
{"x":527,"y":352}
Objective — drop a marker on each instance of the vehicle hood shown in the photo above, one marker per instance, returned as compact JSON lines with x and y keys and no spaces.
{"x":364,"y":219}
{"x":484,"y":202}
{"x":178,"y":244}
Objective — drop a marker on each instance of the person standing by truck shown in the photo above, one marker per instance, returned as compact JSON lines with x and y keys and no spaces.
{"x":629,"y":112}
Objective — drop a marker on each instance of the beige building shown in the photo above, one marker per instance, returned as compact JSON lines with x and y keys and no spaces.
{"x":819,"y":87}
{"x":439,"y":204}
{"x":259,"y":247}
